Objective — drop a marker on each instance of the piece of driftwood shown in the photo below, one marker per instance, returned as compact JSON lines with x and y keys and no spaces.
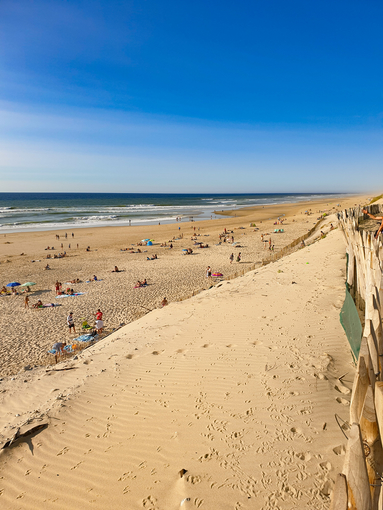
{"x":355,"y":470}
{"x":24,"y":432}
{"x":339,"y":495}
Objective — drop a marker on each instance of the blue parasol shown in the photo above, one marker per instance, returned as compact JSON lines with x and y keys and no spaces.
{"x":13,"y":284}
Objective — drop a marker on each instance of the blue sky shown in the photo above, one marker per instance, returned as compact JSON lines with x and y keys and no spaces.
{"x":168,"y":96}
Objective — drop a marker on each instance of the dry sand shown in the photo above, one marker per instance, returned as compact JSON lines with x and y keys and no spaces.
{"x":223,"y":401}
{"x":27,"y":334}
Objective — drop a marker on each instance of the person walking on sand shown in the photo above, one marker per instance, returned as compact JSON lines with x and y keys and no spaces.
{"x":26,"y":301}
{"x":239,"y":257}
{"x":208,"y":272}
{"x":231,"y":258}
{"x":70,"y":322}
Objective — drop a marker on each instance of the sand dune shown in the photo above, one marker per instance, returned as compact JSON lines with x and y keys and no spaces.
{"x":223,"y":401}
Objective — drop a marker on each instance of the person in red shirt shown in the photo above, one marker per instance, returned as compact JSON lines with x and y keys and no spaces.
{"x":99,"y":321}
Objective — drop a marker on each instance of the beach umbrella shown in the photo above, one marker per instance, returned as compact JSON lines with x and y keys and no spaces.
{"x":184,"y":249}
{"x":28,"y":284}
{"x":217,"y":274}
{"x":13,"y":284}
{"x":144,"y":240}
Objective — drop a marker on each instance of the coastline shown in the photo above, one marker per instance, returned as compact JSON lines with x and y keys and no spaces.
{"x":72,"y":211}
{"x":29,"y":334}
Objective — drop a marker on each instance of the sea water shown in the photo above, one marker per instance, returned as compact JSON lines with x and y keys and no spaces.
{"x":23,"y":212}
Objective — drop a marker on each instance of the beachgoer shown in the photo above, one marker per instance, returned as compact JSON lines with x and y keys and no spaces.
{"x":115,"y":270}
{"x":94,"y":278}
{"x":47,"y":267}
{"x":231,"y":258}
{"x":99,"y":321}
{"x":39,"y":304}
{"x":208,"y":272}
{"x":26,"y":301}
{"x":57,"y":287}
{"x":70,"y":322}
{"x":331,"y":226}
{"x":375,"y":218}
{"x":58,"y":347}
{"x":164,"y":302}
{"x":239,"y":257}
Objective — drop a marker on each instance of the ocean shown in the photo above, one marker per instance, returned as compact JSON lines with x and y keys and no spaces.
{"x":23,"y":212}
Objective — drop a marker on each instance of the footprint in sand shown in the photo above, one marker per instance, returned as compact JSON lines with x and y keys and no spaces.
{"x":342,"y":389}
{"x":305,"y":456}
{"x":181,"y":351}
{"x":129,"y":356}
{"x":205,"y":346}
{"x":149,"y":502}
{"x":320,"y":376}
{"x":63,"y":451}
{"x":156,"y":353}
{"x":193,"y":479}
{"x":256,"y":343}
{"x":342,"y":401}
{"x":339,"y":450}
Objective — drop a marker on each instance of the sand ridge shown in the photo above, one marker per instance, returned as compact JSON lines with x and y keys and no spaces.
{"x":223,"y":401}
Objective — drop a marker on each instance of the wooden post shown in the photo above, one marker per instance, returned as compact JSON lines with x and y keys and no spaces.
{"x":355,"y":471}
{"x":359,"y":389}
{"x":339,"y":496}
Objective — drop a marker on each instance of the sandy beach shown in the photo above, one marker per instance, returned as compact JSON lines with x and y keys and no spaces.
{"x":27,"y":334}
{"x":222,"y":401}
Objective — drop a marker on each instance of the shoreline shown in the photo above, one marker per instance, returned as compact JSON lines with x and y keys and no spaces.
{"x":203,"y":215}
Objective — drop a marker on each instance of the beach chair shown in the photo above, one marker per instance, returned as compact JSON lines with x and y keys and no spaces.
{"x":84,"y":325}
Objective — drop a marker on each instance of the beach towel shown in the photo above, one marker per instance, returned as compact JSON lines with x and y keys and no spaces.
{"x":85,"y":338}
{"x":70,"y":295}
{"x":91,"y":281}
{"x":49,"y":305}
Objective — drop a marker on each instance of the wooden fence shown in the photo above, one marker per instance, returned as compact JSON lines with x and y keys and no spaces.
{"x":359,"y":486}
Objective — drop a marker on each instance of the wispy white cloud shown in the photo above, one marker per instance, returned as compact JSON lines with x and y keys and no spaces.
{"x":96,"y":150}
